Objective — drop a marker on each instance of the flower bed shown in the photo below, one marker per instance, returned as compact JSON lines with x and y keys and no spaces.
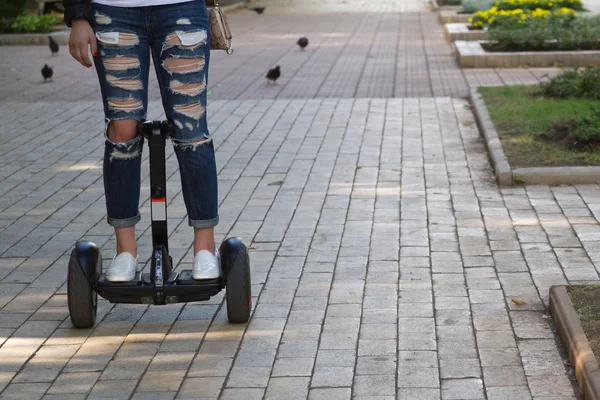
{"x":554,"y":33}
{"x":473,"y":6}
{"x":496,"y":17}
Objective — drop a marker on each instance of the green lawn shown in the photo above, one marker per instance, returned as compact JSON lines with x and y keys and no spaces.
{"x":524,"y":124}
{"x":586,"y":301}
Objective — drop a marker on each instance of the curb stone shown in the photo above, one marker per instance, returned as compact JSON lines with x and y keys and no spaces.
{"x":502,"y":169}
{"x":62,"y":36}
{"x":581,"y":356}
{"x":472,"y":54}
{"x":533,"y":176}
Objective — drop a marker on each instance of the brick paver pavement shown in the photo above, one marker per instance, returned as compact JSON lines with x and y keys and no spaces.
{"x":384,"y":255}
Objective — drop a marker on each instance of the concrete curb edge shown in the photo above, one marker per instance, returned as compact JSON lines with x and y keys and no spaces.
{"x":486,"y":128}
{"x":581,"y":356}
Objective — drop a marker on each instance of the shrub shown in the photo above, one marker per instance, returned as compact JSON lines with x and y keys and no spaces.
{"x":33,"y":24}
{"x":586,"y":130}
{"x":554,"y":33}
{"x":534,"y":4}
{"x":574,"y":83}
{"x":496,"y":17}
{"x":476,"y":5}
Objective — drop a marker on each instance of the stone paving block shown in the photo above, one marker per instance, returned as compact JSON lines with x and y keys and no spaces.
{"x":374,"y":385}
{"x":161,"y":381}
{"x":287,"y":388}
{"x":462,"y":389}
{"x":413,"y":377}
{"x":248,"y":377}
{"x":202,"y":387}
{"x":503,"y":376}
{"x":329,"y":394}
{"x":209,"y":365}
{"x":332,"y":376}
{"x":293,"y":367}
{"x":114,"y":389}
{"x":246,"y":393}
{"x":418,"y":394}
{"x":460,"y":368}
{"x":25,"y":390}
{"x":46,"y":364}
{"x":74,"y":382}
{"x":505,"y":393}
{"x":498,"y":357}
{"x":456,"y":349}
{"x":548,"y":386}
{"x":154,"y":396}
{"x":375,"y":365}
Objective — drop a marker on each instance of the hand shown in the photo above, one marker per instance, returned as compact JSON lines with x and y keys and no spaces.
{"x":82,"y":34}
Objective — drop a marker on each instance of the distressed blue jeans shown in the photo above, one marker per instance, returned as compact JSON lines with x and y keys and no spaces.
{"x":178,"y":38}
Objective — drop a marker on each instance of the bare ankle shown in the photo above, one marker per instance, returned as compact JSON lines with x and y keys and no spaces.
{"x":126,"y":242}
{"x":204,"y":239}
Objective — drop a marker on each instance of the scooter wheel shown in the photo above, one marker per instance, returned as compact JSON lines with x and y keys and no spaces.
{"x":238,"y":288}
{"x":81,"y":297}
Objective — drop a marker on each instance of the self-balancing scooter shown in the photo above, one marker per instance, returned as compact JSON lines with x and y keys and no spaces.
{"x":161,"y":285}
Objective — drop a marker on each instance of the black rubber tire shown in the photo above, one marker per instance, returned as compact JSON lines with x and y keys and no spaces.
{"x":238,"y":288}
{"x":81,"y":297}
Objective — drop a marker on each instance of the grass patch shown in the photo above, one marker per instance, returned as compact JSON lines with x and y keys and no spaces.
{"x":534,"y":130}
{"x":586,"y":300}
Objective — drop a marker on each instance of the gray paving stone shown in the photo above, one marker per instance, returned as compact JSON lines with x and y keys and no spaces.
{"x":76,"y":382}
{"x":330,"y":394}
{"x":287,"y":388}
{"x":154,"y":396}
{"x":161,"y":381}
{"x":374,"y":385}
{"x":25,"y":390}
{"x":115,"y":389}
{"x":460,"y":368}
{"x":418,"y":394}
{"x":202,"y":387}
{"x":332,"y":376}
{"x":413,"y":377}
{"x":462,"y":389}
{"x":293,"y":367}
{"x":248,"y":377}
{"x":250,"y":394}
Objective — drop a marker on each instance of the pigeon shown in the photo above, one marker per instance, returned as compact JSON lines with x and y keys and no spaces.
{"x":53,"y":46}
{"x":47,"y":72}
{"x":302,"y":42}
{"x":274,"y":74}
{"x":259,"y":10}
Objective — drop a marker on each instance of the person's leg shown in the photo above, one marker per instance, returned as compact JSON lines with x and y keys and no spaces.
{"x":181,"y":52}
{"x":122,"y":64}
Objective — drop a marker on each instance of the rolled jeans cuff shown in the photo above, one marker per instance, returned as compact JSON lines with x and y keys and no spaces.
{"x":203,"y":223}
{"x":125,"y":222}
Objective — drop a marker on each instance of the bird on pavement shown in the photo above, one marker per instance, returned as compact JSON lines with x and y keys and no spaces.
{"x":259,"y":10}
{"x":302,"y":42}
{"x":274,"y":74}
{"x":53,"y":46}
{"x":47,"y":72}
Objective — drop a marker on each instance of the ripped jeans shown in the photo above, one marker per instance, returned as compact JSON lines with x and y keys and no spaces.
{"x":177,"y":36}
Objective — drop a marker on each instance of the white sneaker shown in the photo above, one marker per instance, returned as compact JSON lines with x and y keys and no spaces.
{"x":207,"y":265}
{"x":122,"y":268}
